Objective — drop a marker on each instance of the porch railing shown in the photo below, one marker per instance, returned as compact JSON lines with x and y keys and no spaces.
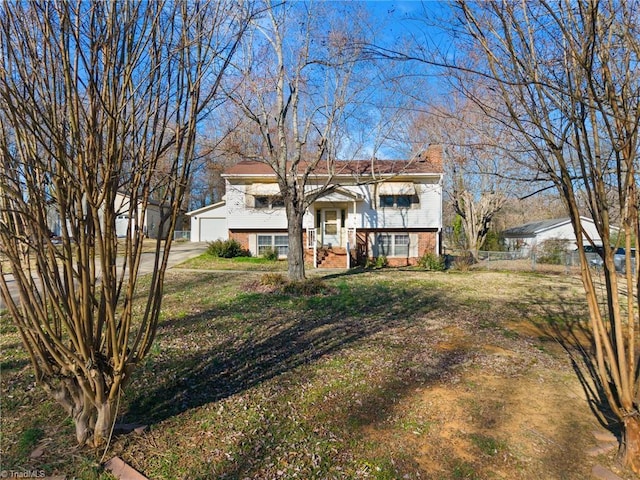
{"x":348,"y":234}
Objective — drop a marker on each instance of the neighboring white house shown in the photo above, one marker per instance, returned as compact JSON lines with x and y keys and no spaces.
{"x":150,"y":225}
{"x":369,"y":209}
{"x":530,"y":235}
{"x":152,"y":218}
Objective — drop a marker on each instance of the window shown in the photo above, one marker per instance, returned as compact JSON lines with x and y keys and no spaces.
{"x":279,"y":243}
{"x":401,"y":245}
{"x":264,"y":201}
{"x":384,"y":245}
{"x":403,"y":201}
{"x":398,"y":201}
{"x":386,"y":200}
{"x":393,"y":244}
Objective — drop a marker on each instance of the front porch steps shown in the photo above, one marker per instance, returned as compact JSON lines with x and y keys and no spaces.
{"x":334,"y":257}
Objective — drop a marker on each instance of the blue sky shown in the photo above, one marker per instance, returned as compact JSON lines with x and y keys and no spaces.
{"x":400,"y":18}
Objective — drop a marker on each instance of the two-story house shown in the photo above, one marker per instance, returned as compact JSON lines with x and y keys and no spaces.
{"x":370,"y":209}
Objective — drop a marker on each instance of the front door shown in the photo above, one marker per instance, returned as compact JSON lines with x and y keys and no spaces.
{"x":331,"y":227}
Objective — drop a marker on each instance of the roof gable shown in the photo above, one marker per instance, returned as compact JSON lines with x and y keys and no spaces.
{"x":336,"y":194}
{"x":206,"y":208}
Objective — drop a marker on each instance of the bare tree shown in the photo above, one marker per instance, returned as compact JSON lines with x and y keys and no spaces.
{"x":477,"y":181}
{"x":297,"y":81}
{"x":567,"y":76}
{"x":100,"y":102}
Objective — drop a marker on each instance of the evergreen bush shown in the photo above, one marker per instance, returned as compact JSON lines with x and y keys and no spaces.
{"x":431,"y":261}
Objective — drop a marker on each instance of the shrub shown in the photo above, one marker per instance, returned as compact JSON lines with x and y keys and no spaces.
{"x":227,"y":249}
{"x":377,"y":262}
{"x":493,"y":242}
{"x":463,"y":261}
{"x":270,"y":254}
{"x":312,"y":286}
{"x":431,"y":261}
{"x":552,"y":251}
{"x":273,"y":280}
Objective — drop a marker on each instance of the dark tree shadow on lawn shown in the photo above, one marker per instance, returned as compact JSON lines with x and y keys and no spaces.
{"x":372,"y":409}
{"x":573,"y":333}
{"x":261,"y":336}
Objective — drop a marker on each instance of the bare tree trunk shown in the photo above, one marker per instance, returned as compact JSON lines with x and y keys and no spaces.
{"x":572,"y":102}
{"x":298,"y":110}
{"x":295,"y":256}
{"x":629,"y":452}
{"x":477,"y":215}
{"x":99,"y":108}
{"x":93,"y":415}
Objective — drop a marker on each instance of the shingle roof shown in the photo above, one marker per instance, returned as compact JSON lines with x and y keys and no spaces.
{"x":429,"y":162}
{"x":531,"y":228}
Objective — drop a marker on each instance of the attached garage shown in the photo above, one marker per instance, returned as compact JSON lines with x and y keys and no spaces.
{"x":209,"y":223}
{"x":212,"y":229}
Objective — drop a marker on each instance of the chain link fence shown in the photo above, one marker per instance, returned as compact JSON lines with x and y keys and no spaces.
{"x":530,"y":260}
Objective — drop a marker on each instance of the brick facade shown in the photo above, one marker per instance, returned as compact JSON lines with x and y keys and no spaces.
{"x":241,"y":237}
{"x":427,"y":242}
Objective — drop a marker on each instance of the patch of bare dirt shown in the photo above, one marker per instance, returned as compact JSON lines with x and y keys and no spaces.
{"x":515,"y":410}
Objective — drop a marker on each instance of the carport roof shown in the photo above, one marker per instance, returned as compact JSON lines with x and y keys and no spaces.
{"x":532,"y":228}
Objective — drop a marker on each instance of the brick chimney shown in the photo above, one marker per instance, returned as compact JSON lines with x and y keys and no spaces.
{"x":433,"y":156}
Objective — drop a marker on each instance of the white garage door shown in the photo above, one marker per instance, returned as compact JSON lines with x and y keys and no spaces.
{"x":213,"y":229}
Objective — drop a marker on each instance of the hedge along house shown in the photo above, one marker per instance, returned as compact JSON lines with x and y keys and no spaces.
{"x":367,"y":209}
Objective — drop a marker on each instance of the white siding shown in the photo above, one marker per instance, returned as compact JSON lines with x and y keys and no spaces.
{"x":561,"y":231}
{"x":565,"y":232}
{"x":150,"y":225}
{"x":241,"y":216}
{"x":424,"y":214}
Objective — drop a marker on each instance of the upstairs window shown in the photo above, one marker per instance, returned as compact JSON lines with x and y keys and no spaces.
{"x":397,"y":201}
{"x":261,"y":202}
{"x":386,"y":201}
{"x":403,"y":201}
{"x":264,"y":201}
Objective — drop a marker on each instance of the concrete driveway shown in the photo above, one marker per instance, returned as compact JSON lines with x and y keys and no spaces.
{"x":180,"y":252}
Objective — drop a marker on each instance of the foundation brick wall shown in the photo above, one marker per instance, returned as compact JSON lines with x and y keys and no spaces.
{"x":427,"y":242}
{"x":240,"y":237}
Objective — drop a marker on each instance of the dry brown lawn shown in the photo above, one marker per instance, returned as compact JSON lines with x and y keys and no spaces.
{"x":376,"y":374}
